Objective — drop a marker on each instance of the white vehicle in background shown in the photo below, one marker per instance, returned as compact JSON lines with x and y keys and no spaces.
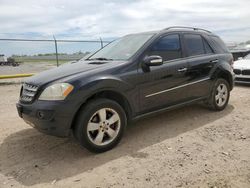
{"x":242,"y":70}
{"x":3,"y":59}
{"x":10,"y":61}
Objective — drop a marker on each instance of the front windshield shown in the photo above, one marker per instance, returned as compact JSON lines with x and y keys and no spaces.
{"x":247,"y":56}
{"x":123,"y":48}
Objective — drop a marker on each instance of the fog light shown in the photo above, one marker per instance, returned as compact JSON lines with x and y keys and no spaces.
{"x":40,"y":114}
{"x":44,"y":114}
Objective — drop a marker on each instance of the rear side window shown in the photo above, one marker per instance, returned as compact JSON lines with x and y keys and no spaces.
{"x":168,"y":47}
{"x":219,"y":45}
{"x":194,"y":44}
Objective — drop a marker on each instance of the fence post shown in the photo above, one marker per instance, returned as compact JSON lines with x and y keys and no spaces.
{"x":57,"y":62}
{"x":101,"y":42}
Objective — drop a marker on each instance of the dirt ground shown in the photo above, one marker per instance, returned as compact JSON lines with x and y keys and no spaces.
{"x":187,"y":147}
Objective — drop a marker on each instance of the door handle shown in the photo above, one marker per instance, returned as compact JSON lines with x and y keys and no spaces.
{"x":182,"y":70}
{"x":214,"y":61}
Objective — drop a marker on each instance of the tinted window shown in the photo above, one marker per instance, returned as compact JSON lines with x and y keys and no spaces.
{"x":168,"y":47}
{"x":208,"y":49}
{"x":219,"y":45}
{"x":194,"y":44}
{"x":168,"y":43}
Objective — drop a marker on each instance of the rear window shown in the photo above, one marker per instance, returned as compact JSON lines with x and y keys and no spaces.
{"x":194,"y":44}
{"x":219,"y":45}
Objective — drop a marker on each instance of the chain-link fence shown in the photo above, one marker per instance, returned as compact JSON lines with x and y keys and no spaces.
{"x":21,"y":56}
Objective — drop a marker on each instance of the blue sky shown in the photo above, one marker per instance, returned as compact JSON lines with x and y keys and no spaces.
{"x":109,"y":19}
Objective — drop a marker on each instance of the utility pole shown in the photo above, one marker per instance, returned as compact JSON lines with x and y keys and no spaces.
{"x":101,"y":42}
{"x":57,"y":62}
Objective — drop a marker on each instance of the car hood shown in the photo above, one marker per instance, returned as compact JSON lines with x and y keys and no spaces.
{"x":242,"y":64}
{"x":71,"y":69}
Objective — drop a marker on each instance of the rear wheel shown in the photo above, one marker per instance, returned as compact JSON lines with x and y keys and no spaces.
{"x":100,"y":125}
{"x":219,"y":97}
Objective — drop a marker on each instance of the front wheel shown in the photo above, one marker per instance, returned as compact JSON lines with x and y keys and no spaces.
{"x":100,"y":125}
{"x":219,"y":96}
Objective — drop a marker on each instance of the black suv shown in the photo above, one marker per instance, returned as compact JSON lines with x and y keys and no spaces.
{"x":134,"y":76}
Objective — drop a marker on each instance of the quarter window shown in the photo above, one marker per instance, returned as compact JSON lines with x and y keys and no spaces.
{"x":168,"y":47}
{"x":207,"y":47}
{"x":219,"y":45}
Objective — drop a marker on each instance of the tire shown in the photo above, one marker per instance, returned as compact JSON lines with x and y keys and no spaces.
{"x":219,"y":96}
{"x":100,"y":125}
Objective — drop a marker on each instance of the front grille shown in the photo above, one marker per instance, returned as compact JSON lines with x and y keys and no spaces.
{"x":246,"y":72}
{"x":237,"y":71}
{"x":242,"y":79}
{"x":28,"y":92}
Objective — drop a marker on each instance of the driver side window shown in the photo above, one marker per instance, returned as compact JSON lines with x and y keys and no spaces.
{"x":167,"y":47}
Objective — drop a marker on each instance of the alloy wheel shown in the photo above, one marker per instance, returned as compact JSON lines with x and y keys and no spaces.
{"x":221,"y":95}
{"x":104,"y":126}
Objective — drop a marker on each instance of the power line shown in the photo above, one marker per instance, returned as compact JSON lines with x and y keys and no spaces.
{"x":51,"y":40}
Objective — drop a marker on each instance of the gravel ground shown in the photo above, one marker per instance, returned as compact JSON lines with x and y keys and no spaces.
{"x":187,"y":147}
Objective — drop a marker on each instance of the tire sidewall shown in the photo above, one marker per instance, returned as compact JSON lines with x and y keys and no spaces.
{"x":217,"y":83}
{"x":84,"y":116}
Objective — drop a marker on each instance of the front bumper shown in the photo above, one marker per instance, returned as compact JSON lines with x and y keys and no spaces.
{"x":50,"y":117}
{"x":242,"y":79}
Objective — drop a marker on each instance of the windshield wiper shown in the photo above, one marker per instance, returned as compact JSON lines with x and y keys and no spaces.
{"x":101,"y":59}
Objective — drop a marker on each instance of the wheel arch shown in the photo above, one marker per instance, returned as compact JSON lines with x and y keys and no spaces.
{"x":224,"y":71}
{"x":107,"y":94}
{"x":225,"y":75}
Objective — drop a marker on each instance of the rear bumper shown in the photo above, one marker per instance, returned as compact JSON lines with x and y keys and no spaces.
{"x":49,"y":117}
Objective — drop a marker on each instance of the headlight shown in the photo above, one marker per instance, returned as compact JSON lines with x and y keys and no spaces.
{"x":57,"y":91}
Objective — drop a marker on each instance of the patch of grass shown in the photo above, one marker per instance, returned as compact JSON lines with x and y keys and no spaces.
{"x":47,"y":61}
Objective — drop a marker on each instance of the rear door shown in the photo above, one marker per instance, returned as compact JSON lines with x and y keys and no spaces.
{"x":201,"y":59}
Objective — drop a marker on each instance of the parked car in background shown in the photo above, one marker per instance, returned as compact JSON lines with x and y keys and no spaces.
{"x":242,"y":70}
{"x":8,"y":61}
{"x":3,"y":59}
{"x":134,"y":76}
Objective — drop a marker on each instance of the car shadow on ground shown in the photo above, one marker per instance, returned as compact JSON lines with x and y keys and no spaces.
{"x":31,"y":157}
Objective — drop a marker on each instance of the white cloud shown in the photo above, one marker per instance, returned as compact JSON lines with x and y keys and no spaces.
{"x":110,"y":18}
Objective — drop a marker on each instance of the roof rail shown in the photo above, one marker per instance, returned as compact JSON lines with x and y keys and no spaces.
{"x":183,"y":27}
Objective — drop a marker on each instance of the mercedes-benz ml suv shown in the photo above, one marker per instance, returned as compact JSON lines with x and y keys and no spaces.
{"x":134,"y":76}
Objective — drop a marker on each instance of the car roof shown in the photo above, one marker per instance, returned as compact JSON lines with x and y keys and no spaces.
{"x":179,"y":29}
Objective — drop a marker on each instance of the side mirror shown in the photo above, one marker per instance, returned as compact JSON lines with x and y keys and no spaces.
{"x":153,"y":60}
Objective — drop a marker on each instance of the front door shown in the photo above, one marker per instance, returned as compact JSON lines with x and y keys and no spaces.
{"x":161,"y":86}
